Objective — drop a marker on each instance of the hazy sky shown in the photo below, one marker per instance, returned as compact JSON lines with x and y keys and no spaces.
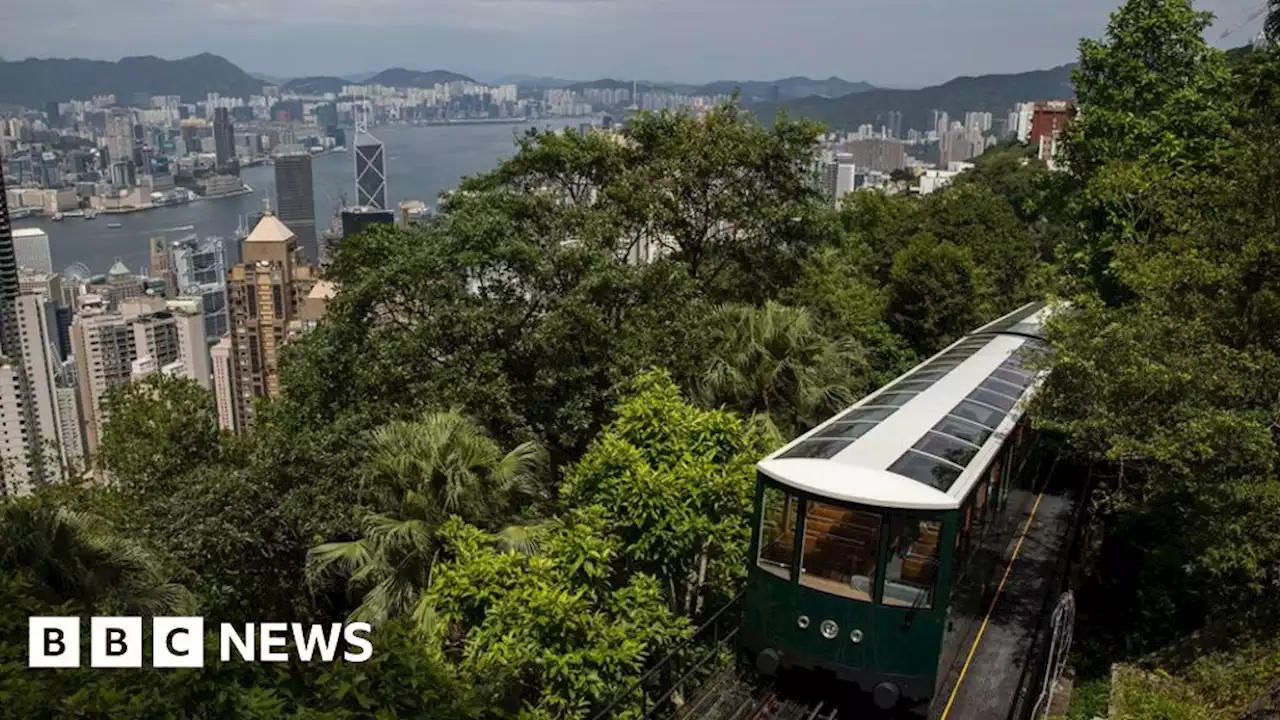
{"x":885,"y":42}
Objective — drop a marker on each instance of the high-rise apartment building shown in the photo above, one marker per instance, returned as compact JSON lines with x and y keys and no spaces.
{"x":224,"y":389}
{"x":19,"y":466}
{"x":107,"y":343}
{"x":295,"y":200}
{"x":371,"y":172}
{"x":119,"y":135}
{"x":161,"y":265}
{"x":267,"y":296}
{"x":42,"y":363}
{"x":879,"y":154}
{"x":31,"y":250}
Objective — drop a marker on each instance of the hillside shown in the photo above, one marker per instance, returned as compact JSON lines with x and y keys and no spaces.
{"x":33,"y":82}
{"x":788,"y":88}
{"x":316,"y":85}
{"x":400,"y":77}
{"x":994,"y":93}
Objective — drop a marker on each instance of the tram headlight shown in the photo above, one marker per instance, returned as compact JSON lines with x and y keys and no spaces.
{"x":829,"y":629}
{"x":855,"y":636}
{"x":803,"y":622}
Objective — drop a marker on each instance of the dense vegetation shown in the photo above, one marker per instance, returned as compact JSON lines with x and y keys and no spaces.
{"x":528,"y":460}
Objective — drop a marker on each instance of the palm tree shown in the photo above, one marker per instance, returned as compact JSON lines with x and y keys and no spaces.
{"x":774,"y":360}
{"x":430,"y":469}
{"x":70,"y":556}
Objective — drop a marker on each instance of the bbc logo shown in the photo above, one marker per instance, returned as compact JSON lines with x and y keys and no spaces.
{"x":178,"y":642}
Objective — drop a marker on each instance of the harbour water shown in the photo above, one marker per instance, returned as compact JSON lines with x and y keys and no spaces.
{"x":422,"y":162}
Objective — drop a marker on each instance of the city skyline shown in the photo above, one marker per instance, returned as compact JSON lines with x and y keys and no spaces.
{"x":701,"y":40}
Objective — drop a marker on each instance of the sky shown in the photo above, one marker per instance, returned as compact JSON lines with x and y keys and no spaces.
{"x":893,"y":43}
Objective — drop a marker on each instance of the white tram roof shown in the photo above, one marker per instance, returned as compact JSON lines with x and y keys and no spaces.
{"x":922,"y":441}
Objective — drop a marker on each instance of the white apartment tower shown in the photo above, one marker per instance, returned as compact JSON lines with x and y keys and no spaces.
{"x":145,"y":335}
{"x":31,"y":250}
{"x":38,"y":326}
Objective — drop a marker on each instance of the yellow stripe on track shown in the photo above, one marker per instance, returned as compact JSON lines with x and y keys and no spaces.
{"x":987,"y":620}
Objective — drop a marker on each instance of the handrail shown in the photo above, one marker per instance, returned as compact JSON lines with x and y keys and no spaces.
{"x":711,"y":623}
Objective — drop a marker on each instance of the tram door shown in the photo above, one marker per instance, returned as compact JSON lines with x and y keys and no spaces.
{"x":835,"y":624}
{"x":910,"y":613}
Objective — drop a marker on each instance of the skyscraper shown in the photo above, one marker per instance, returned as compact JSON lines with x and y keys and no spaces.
{"x":371,"y":172}
{"x":267,"y":295}
{"x":19,"y":436}
{"x":224,"y":139}
{"x":295,"y":200}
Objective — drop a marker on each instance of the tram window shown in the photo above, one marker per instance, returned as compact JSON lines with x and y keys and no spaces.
{"x":1011,"y":377}
{"x":985,"y":416}
{"x":994,"y":399}
{"x":868,"y":413}
{"x":967,"y":431}
{"x":947,"y":448}
{"x":846,"y":430}
{"x":912,"y":567}
{"x":840,"y":547}
{"x":778,"y":532}
{"x":928,"y":470}
{"x":912,"y":385}
{"x":817,"y":448}
{"x":1004,"y":387}
{"x":894,"y":399}
{"x":929,"y":373}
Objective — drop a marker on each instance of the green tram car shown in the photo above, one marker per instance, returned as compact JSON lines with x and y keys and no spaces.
{"x":881,"y":530}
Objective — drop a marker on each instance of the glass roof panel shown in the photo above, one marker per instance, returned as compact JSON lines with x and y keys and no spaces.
{"x":928,"y":373}
{"x":846,"y":430}
{"x":869,"y":413}
{"x":925,"y":469}
{"x":895,"y":399}
{"x":912,"y":385}
{"x":994,"y":399}
{"x":962,"y":429}
{"x":1004,"y":387}
{"x":947,"y":448}
{"x":822,"y":449}
{"x":982,"y":415}
{"x":1022,"y":380}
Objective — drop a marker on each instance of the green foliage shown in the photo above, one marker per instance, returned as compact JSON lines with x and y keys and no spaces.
{"x":932,"y":293}
{"x":157,"y":429}
{"x":774,"y":361}
{"x":66,"y":556}
{"x":675,"y":484}
{"x":552,"y":635}
{"x":424,"y":472}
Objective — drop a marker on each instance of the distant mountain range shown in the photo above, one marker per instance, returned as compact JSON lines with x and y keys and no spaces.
{"x":752,"y":90}
{"x":842,"y":104}
{"x":990,"y":93}
{"x":33,"y":82}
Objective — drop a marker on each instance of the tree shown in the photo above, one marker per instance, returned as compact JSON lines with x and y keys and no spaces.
{"x":675,"y":484}
{"x":156,"y":429}
{"x":1153,"y":124}
{"x":932,"y":293}
{"x":440,"y":466}
{"x":551,"y":635}
{"x":71,"y":557}
{"x":774,"y":361}
{"x":500,"y":307}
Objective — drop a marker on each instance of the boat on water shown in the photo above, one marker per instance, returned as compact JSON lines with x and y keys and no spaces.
{"x":90,"y":214}
{"x":58,"y":216}
{"x":114,"y":226}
